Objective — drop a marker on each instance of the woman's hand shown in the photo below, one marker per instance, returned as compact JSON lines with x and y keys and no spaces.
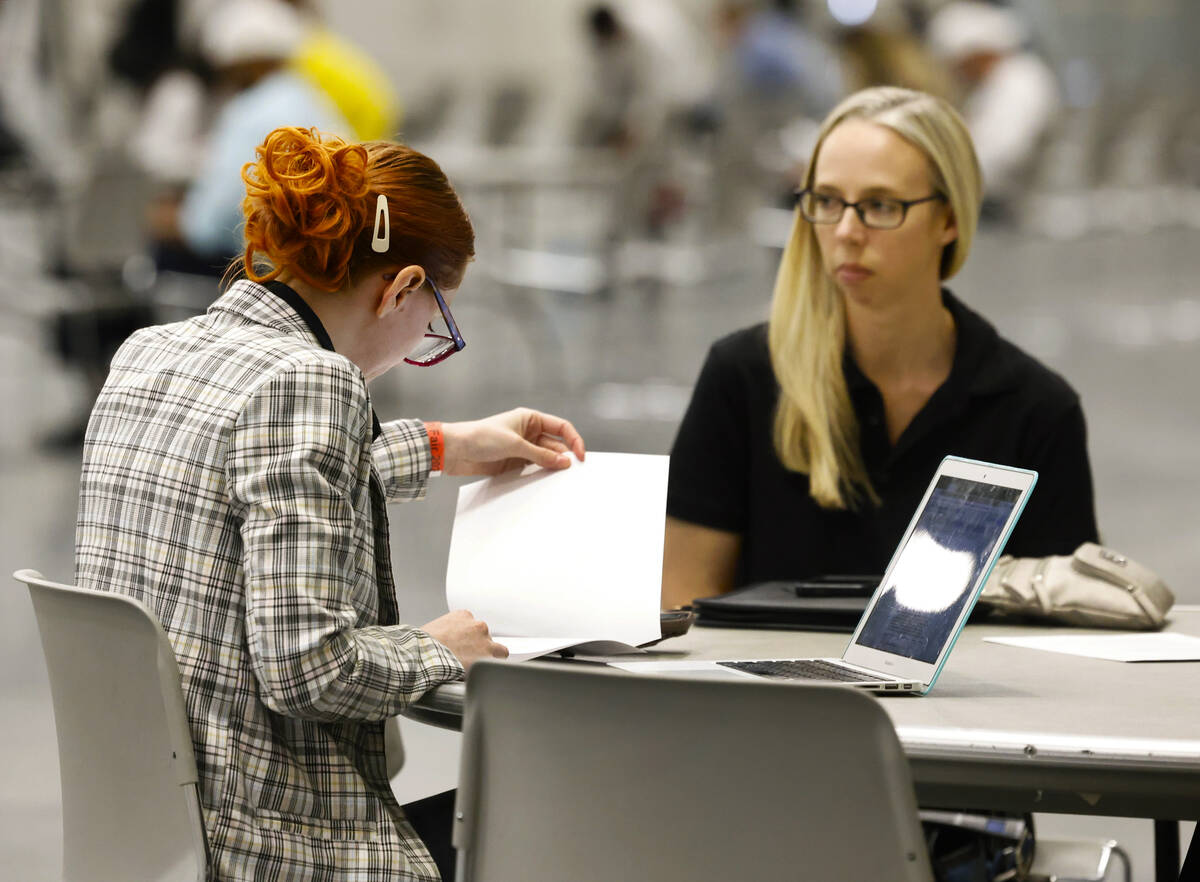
{"x":466,"y":636}
{"x":509,"y":440}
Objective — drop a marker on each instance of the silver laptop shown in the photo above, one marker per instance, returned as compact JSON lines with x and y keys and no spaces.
{"x":928,"y":591}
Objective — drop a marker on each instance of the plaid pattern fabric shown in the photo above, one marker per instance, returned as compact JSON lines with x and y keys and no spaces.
{"x":231,"y":483}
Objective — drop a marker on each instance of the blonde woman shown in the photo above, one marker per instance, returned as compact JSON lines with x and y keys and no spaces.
{"x":810,"y":438}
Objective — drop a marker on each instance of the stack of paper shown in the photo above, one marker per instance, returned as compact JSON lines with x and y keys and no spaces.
{"x":557,"y":559}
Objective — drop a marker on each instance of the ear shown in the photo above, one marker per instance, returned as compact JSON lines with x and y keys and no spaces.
{"x":397,"y":286}
{"x":950,"y":231}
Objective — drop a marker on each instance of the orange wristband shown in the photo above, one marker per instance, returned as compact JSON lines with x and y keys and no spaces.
{"x":437,"y":447}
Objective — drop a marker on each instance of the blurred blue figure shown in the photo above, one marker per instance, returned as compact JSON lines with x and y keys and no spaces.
{"x":249,"y":43}
{"x":777,"y":56}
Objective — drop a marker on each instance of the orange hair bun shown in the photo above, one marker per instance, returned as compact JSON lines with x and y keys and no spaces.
{"x":310,"y":211}
{"x":306,"y":201}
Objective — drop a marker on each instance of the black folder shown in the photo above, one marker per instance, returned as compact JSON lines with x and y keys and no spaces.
{"x":788,"y":605}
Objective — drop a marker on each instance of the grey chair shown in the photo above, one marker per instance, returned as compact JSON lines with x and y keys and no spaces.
{"x":1078,"y":860}
{"x":131,"y":806}
{"x":590,"y":776}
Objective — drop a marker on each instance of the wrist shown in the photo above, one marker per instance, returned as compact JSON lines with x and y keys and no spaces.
{"x":437,"y":448}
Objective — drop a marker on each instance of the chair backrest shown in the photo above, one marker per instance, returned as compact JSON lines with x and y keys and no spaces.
{"x":589,"y":775}
{"x":131,"y":805}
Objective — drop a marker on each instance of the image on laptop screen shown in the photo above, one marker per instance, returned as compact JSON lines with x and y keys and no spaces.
{"x":936,"y":569}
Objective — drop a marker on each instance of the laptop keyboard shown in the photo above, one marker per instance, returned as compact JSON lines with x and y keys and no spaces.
{"x":802,"y":669}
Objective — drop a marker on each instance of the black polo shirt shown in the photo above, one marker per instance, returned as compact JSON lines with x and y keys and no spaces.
{"x":998,"y":405}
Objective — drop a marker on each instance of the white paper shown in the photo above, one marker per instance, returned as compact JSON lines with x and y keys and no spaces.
{"x":573,"y":554}
{"x":525,"y":648}
{"x":672,"y":666}
{"x":1113,"y":647}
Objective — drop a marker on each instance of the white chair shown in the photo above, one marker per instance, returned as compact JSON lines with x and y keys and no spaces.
{"x":131,"y":808}
{"x":590,"y":776}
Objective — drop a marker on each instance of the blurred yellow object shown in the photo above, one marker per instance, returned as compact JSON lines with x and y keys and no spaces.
{"x":353,"y":81}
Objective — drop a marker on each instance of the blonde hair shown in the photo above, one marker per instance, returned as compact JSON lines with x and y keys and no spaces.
{"x":816,"y":431}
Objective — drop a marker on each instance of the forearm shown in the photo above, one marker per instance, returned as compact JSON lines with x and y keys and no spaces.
{"x":402,"y":457}
{"x":697,"y":562}
{"x":362,"y":674}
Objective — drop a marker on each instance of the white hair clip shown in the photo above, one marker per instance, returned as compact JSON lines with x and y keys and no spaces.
{"x":381,"y":243}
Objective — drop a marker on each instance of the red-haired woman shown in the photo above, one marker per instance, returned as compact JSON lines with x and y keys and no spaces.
{"x":235,"y":480}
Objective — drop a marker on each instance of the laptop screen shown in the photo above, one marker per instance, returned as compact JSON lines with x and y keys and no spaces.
{"x":936,"y":570}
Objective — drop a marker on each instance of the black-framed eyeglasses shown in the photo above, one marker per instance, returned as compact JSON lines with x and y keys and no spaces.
{"x":876,"y":212}
{"x":441,"y":340}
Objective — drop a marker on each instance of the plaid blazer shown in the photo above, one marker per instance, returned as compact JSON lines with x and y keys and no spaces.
{"x":232,"y":483}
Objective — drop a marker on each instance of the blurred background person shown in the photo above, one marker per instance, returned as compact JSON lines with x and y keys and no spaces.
{"x":350,"y":77}
{"x":1009,"y":94}
{"x":154,"y":53}
{"x":779,"y":77}
{"x":159,"y":52}
{"x":778,"y":63}
{"x":250,"y":45}
{"x":211,"y":77}
{"x":889,"y":49}
{"x":649,"y":66}
{"x":614,"y":116}
{"x":652,"y":79}
{"x":49,"y":84}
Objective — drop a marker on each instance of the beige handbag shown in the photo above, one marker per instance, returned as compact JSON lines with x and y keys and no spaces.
{"x":1095,"y":587}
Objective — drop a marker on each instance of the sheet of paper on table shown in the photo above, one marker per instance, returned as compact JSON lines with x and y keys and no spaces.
{"x":525,"y":648}
{"x":1155,"y":647}
{"x":556,"y":559}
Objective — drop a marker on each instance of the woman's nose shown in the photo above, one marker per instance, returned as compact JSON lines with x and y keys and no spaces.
{"x":850,"y":225}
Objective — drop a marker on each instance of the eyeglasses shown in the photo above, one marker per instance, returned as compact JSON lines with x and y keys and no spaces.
{"x":876,"y":212}
{"x":437,"y":346}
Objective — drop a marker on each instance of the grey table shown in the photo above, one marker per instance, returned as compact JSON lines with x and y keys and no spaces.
{"x":1012,"y":729}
